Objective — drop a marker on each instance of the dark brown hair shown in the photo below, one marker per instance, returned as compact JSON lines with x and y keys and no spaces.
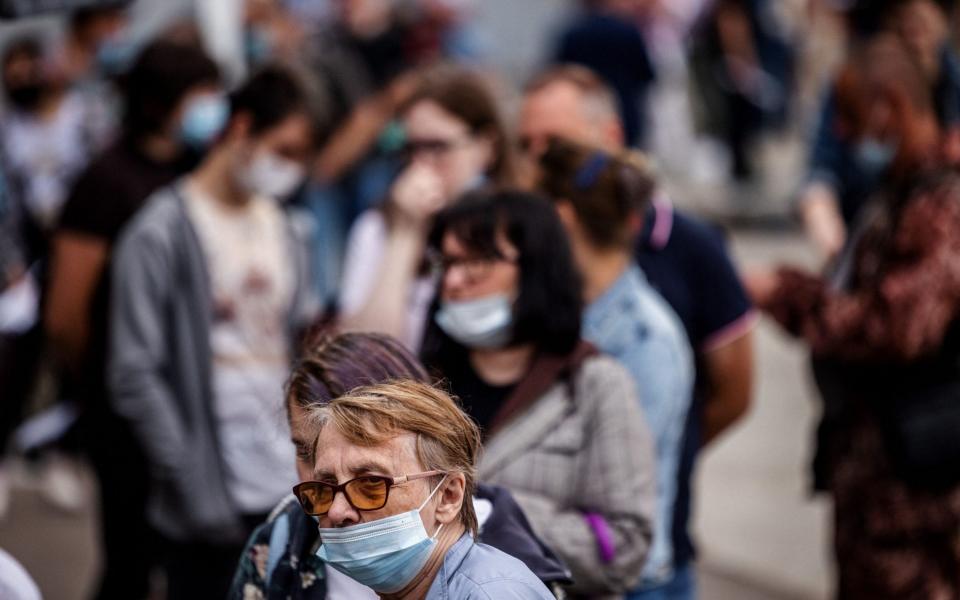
{"x":604,"y":189}
{"x":466,"y":96}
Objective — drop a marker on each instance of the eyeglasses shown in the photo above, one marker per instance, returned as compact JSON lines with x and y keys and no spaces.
{"x":474,"y":268}
{"x":434,"y":148}
{"x":369,"y":492}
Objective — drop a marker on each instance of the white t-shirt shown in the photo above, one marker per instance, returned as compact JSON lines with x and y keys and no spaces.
{"x":252,"y":279}
{"x":15,"y":582}
{"x":366,"y":247}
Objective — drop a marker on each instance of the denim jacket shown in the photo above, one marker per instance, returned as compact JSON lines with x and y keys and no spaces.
{"x":635,"y":325}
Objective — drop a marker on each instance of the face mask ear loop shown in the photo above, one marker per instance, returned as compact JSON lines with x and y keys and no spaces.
{"x":427,"y":501}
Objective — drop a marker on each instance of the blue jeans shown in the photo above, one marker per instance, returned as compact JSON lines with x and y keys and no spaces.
{"x":683,"y":586}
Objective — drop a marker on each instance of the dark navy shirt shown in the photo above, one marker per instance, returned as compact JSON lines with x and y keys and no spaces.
{"x":686,"y":260}
{"x":616,"y":50}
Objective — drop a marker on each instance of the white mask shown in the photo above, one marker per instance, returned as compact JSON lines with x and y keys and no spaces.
{"x":271,"y":176}
{"x":484,"y":323}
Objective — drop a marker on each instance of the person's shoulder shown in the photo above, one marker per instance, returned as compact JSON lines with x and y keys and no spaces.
{"x":490,"y":573}
{"x":600,"y":377}
{"x":155,"y":221}
{"x":372,"y":218}
{"x":696,"y":234}
{"x":701,"y":250}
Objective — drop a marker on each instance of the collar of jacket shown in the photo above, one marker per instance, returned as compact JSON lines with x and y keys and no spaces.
{"x":543,"y":373}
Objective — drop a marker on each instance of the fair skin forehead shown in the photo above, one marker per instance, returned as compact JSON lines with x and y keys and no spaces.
{"x":428,"y":120}
{"x":339,"y":460}
{"x":559,"y":110}
{"x":503,"y":276}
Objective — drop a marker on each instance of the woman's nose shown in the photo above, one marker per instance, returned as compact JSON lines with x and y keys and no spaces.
{"x":453,"y":281}
{"x":341,"y":513}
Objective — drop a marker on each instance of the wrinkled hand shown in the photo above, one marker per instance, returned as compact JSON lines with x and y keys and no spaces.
{"x":418,"y":195}
{"x":761,"y":285}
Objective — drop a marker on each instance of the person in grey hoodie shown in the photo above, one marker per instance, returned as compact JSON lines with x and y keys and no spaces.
{"x":210,"y":289}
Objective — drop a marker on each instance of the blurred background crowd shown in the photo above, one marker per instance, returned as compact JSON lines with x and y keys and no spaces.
{"x":187,"y":186}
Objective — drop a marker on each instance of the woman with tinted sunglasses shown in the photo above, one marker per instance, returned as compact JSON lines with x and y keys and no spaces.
{"x":280,"y":559}
{"x":455,"y":141}
{"x":562,"y":426}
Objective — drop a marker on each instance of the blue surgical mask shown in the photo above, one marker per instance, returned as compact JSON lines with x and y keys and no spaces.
{"x":203,"y":120}
{"x":384,"y":555}
{"x":484,"y":323}
{"x":115,"y":54}
{"x":874,"y":157}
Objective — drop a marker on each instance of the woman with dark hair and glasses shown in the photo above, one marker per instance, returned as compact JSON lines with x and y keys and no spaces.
{"x":455,"y":141}
{"x":562,"y":426}
{"x":279,"y":560}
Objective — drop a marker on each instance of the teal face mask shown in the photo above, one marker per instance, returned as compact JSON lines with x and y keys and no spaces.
{"x":384,"y":555}
{"x":874,"y":157}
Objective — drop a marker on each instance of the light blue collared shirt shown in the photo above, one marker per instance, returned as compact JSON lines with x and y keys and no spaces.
{"x":634,"y":324}
{"x":474,"y":571}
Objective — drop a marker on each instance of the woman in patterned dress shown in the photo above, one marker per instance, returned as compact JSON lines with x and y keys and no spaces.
{"x":889,"y":307}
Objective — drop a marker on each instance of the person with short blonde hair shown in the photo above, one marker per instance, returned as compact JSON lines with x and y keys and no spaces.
{"x":394,"y":472}
{"x":447,"y":440}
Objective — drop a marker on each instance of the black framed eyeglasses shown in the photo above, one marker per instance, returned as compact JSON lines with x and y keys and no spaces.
{"x":369,"y":492}
{"x":474,"y":268}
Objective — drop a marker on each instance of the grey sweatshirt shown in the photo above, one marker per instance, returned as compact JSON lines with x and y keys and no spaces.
{"x":159,"y":369}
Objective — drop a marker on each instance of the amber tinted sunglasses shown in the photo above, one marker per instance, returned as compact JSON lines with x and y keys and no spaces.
{"x":369,"y":492}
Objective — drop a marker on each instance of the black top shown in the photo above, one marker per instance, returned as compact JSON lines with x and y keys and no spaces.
{"x":105,"y":197}
{"x":481,"y":400}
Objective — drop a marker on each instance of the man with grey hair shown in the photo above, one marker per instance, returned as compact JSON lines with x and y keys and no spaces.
{"x":687,"y":262}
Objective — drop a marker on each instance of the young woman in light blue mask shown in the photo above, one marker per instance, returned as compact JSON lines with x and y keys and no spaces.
{"x":562,"y":426}
{"x":393,"y":477}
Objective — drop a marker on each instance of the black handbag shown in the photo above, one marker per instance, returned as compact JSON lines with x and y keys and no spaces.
{"x":922,"y":431}
{"x":919,"y":412}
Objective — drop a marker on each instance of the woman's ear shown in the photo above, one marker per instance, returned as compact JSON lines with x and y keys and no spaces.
{"x":238,"y":127}
{"x":567,"y":214}
{"x":487,"y":147}
{"x":451,"y":498}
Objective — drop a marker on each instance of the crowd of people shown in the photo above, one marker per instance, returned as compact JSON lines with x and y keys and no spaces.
{"x":482,"y":347}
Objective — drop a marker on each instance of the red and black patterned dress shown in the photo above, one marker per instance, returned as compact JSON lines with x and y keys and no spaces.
{"x":899,"y":301}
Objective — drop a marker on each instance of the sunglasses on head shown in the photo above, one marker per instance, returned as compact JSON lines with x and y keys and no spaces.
{"x":369,"y":492}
